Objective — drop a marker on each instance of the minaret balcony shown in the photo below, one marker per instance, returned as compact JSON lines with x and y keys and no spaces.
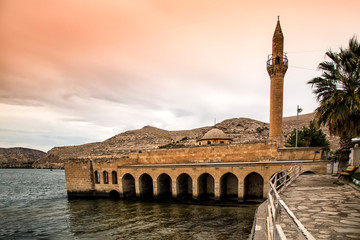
{"x":277,"y":60}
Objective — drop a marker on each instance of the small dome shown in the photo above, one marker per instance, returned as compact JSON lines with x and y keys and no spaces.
{"x":215,"y":134}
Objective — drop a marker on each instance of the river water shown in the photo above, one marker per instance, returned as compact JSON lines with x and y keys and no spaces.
{"x":34,"y":205}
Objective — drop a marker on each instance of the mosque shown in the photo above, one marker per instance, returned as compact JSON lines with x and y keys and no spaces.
{"x":214,"y":169}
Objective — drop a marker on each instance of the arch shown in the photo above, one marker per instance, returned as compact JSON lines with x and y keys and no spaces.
{"x":128,"y":183}
{"x":229,"y":187}
{"x":106,"y":177}
{"x":279,"y":180}
{"x":114,"y":177}
{"x":97,"y":177}
{"x":273,"y":175}
{"x":146,"y":186}
{"x":206,"y":187}
{"x":114,"y":194}
{"x":164,"y":186}
{"x":309,"y":172}
{"x":184,"y":186}
{"x":254,"y":185}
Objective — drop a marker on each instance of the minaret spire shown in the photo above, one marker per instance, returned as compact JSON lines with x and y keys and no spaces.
{"x":277,"y":65}
{"x":278,"y":42}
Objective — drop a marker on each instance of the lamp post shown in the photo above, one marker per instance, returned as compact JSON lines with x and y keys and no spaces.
{"x":298,"y":110}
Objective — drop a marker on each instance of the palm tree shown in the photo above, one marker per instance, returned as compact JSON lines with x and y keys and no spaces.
{"x":338,"y":93}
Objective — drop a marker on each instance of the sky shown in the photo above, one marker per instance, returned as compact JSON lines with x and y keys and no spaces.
{"x":80,"y":71}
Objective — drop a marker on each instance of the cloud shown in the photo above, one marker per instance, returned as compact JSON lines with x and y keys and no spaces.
{"x":74,"y":71}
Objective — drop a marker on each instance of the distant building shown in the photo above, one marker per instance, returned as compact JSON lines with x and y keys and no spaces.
{"x":213,"y":137}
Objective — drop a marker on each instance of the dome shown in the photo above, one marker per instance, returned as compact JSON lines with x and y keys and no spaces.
{"x":215,"y":134}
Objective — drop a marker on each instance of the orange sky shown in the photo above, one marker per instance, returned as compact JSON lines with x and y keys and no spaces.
{"x":76,"y":71}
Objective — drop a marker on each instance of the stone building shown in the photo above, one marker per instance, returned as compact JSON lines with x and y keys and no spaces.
{"x":213,"y":169}
{"x":213,"y":137}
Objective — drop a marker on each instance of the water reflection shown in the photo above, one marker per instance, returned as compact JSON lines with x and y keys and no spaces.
{"x":105,"y":218}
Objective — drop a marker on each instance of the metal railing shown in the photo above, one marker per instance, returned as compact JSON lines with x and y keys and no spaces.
{"x":277,"y":60}
{"x":275,"y":205}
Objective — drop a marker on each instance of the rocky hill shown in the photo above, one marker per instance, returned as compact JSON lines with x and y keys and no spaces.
{"x":242,"y":130}
{"x":18,"y":157}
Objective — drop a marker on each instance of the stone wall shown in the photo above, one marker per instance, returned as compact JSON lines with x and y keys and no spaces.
{"x":239,"y":161}
{"x":79,"y":176}
{"x":309,"y":153}
{"x":207,"y":154}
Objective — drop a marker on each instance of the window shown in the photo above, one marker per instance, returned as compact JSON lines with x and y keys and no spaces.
{"x":222,"y":142}
{"x":97,"y":177}
{"x":208,"y":142}
{"x":106,"y":177}
{"x":114,"y":177}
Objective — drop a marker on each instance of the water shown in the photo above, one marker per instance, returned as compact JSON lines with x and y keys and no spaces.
{"x":34,"y":205}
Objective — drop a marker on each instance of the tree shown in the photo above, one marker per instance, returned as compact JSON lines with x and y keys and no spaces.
{"x":308,"y":137}
{"x":338,"y":94}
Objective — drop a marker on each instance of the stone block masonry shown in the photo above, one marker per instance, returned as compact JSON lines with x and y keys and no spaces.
{"x":204,"y":172}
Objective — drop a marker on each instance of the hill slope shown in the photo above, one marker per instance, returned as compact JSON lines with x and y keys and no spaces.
{"x":19,"y":157}
{"x":242,"y":130}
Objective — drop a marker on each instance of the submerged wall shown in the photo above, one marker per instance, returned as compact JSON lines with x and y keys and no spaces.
{"x":100,"y":176}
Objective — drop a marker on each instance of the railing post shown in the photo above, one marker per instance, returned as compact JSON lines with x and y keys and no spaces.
{"x":277,"y":219}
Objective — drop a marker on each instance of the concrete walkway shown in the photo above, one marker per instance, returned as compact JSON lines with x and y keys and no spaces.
{"x":327,"y":210}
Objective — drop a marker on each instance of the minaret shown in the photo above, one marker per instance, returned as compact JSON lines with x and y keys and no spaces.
{"x":277,"y":65}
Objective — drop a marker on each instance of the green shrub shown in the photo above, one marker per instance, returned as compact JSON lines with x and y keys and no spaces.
{"x":308,"y":137}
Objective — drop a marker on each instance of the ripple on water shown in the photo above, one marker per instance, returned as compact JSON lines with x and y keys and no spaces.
{"x":34,"y":205}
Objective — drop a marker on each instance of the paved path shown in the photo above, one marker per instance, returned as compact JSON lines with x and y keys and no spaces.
{"x":327,"y":210}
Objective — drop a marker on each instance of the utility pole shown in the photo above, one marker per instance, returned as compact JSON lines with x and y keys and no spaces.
{"x":298,"y":110}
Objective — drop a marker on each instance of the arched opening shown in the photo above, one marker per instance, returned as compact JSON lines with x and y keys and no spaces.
{"x":114,"y":194}
{"x":164,"y":186}
{"x":106,"y":177}
{"x":184,"y":186}
{"x":146,"y":186}
{"x":128,"y":182}
{"x":254,"y":184}
{"x":276,"y":181}
{"x":308,"y":173}
{"x":229,"y":187}
{"x":97,"y":177}
{"x":114,"y":177}
{"x":205,"y":187}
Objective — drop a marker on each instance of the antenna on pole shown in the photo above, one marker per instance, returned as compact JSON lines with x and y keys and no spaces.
{"x":214,"y":121}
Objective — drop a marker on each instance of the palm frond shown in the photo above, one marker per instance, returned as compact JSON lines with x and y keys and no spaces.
{"x":338,"y":91}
